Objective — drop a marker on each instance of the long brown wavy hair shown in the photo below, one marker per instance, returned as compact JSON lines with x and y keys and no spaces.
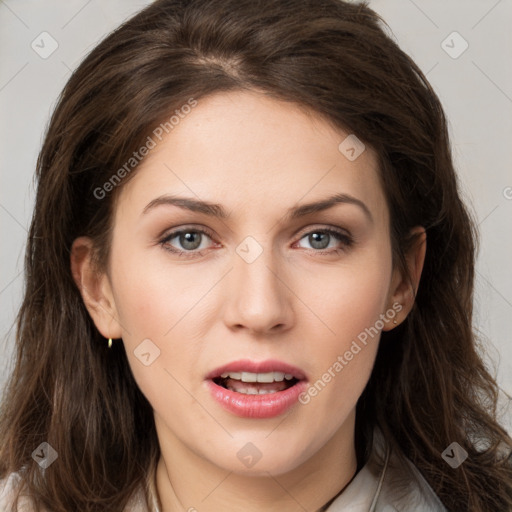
{"x":429,"y":386}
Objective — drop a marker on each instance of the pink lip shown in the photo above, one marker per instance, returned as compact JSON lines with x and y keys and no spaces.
{"x":257,"y":406}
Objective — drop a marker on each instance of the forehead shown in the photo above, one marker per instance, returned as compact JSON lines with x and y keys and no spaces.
{"x":255,"y":153}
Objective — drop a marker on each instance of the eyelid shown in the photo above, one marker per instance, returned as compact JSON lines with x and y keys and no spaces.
{"x":321,"y":227}
{"x":172,"y":232}
{"x":201,"y":228}
{"x":345,"y":237}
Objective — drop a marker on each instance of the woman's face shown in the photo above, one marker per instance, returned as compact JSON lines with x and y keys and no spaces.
{"x":259,"y":285}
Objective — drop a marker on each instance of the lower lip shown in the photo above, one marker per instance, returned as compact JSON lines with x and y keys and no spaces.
{"x":257,"y":406}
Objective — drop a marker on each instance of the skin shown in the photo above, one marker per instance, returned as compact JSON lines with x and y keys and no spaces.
{"x":257,"y":157}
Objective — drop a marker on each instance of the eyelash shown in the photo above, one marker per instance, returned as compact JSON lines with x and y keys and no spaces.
{"x":347,"y":240}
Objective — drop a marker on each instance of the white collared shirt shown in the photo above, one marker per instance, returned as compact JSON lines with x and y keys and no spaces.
{"x":387,"y":486}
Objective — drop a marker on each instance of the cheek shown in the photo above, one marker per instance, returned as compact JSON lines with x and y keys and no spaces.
{"x":151,"y":298}
{"x":349,"y":299}
{"x":154,"y":306}
{"x":350,"y":309}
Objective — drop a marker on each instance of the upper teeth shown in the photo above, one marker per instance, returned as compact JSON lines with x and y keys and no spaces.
{"x":258,"y":377}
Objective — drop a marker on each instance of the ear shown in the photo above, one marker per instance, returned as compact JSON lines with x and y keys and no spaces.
{"x":95,"y":289}
{"x":402,"y":291}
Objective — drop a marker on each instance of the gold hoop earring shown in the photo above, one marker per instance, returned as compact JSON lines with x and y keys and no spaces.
{"x":110,"y":343}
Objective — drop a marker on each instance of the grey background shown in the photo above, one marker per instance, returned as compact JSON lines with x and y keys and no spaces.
{"x":475,"y":89}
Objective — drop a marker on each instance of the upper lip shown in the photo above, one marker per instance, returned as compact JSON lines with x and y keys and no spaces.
{"x":247,"y":365}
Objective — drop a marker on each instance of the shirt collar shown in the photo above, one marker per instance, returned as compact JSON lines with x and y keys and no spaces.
{"x":363,"y":492}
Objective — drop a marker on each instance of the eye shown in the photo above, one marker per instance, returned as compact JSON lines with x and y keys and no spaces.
{"x":188,"y":242}
{"x":189,"y":239}
{"x":320,"y":239}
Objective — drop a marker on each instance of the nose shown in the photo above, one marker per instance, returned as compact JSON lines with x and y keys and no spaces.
{"x":259,"y":298}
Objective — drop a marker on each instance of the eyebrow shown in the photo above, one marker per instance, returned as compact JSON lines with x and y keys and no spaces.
{"x":218,"y":211}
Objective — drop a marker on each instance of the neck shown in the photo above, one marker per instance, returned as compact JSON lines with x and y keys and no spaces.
{"x":186,"y":482}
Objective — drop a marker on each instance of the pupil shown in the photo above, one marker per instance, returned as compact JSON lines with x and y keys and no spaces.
{"x":186,"y":242}
{"x":314,"y":240}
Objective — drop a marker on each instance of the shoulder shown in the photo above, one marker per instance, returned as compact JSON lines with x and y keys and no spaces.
{"x":387,"y":484}
{"x":138,"y":502}
{"x":8,"y":487}
{"x":405,"y":488}
{"x":8,"y":490}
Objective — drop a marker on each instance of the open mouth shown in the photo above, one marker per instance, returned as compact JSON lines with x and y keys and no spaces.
{"x":248,"y":383}
{"x":256,"y":389}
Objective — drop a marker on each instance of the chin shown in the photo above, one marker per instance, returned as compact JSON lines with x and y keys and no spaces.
{"x":258,"y":459}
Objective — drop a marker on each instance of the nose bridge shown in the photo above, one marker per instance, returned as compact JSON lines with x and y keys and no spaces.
{"x":259,"y":298}
{"x":256,"y":260}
